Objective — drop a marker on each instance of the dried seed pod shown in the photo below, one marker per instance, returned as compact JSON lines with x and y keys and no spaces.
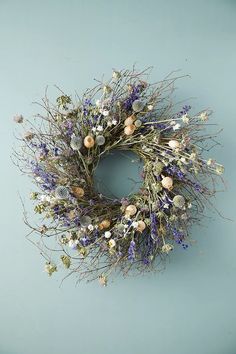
{"x":76,"y":143}
{"x":130,"y":120}
{"x":174,"y":144}
{"x":85,"y":221}
{"x":78,"y":192}
{"x":100,"y":140}
{"x":105,"y":224}
{"x":61,"y":192}
{"x":89,"y":142}
{"x":141,"y":226}
{"x":131,"y":210}
{"x":129,"y":129}
{"x":167,"y":182}
{"x":138,"y":105}
{"x":179,"y":201}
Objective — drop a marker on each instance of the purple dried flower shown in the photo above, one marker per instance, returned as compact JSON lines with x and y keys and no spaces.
{"x":131,"y":251}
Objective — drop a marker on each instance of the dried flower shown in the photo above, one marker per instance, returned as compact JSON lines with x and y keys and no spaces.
{"x":66,"y":261}
{"x":112,"y":243}
{"x":19,"y":118}
{"x":107,"y":234}
{"x":50,"y":268}
{"x":166,"y":248}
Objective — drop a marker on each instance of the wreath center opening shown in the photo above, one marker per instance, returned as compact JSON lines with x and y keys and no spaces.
{"x":118,"y":174}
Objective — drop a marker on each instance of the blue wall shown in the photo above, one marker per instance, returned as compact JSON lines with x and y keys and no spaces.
{"x":190,"y":308}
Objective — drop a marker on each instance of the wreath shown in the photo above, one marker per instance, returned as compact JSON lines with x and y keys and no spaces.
{"x":88,"y":233}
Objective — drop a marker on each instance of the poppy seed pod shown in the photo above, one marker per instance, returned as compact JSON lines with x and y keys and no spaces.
{"x":104,"y":224}
{"x":100,"y":140}
{"x":61,"y":192}
{"x":78,"y":192}
{"x":141,"y":226}
{"x":129,"y":129}
{"x":179,"y":201}
{"x":129,"y":120}
{"x":85,"y":221}
{"x":76,"y":143}
{"x":174,"y":144}
{"x":167,"y":182}
{"x":138,"y":105}
{"x":131,"y":209}
{"x":89,"y":142}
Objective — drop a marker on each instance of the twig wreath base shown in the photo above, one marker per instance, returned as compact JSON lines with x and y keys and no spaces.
{"x":88,"y":233}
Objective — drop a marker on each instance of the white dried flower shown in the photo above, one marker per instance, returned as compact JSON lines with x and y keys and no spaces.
{"x":45,"y":198}
{"x":99,"y":128}
{"x":90,"y":227}
{"x":176,"y":126}
{"x":73,"y":244}
{"x":150,"y":107}
{"x":166,"y":248}
{"x":204,"y":116}
{"x":114,"y":122}
{"x":107,"y":234}
{"x":116,"y":75}
{"x":185,"y":119}
{"x":112,"y":243}
{"x":104,"y":112}
{"x":18,"y":118}
{"x":219,"y":169}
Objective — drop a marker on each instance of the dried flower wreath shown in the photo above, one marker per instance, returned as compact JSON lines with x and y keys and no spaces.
{"x":93,"y":235}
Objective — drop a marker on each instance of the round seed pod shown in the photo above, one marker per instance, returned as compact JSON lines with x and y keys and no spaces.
{"x":85,"y":221}
{"x":129,"y":129}
{"x":179,"y":201}
{"x":89,"y":142}
{"x":129,"y":120}
{"x":158,"y":168}
{"x":167,"y":182}
{"x":61,"y":192}
{"x":138,"y":123}
{"x":105,"y":224}
{"x":141,"y":226}
{"x":78,"y":192}
{"x":100,"y":140}
{"x":174,"y":144}
{"x":131,"y":210}
{"x":138,"y":105}
{"x":76,"y":143}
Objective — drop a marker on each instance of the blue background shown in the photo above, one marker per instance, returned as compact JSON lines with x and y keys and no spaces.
{"x":190,"y":308}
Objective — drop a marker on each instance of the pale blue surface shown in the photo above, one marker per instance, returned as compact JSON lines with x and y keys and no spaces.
{"x":191,"y":307}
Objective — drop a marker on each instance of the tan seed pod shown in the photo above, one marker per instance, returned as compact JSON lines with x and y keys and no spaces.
{"x":130,"y":120}
{"x":129,"y":129}
{"x":174,"y":144}
{"x":89,"y":142}
{"x":78,"y":192}
{"x":105,"y":224}
{"x":167,"y":182}
{"x":141,"y":226}
{"x":131,"y":210}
